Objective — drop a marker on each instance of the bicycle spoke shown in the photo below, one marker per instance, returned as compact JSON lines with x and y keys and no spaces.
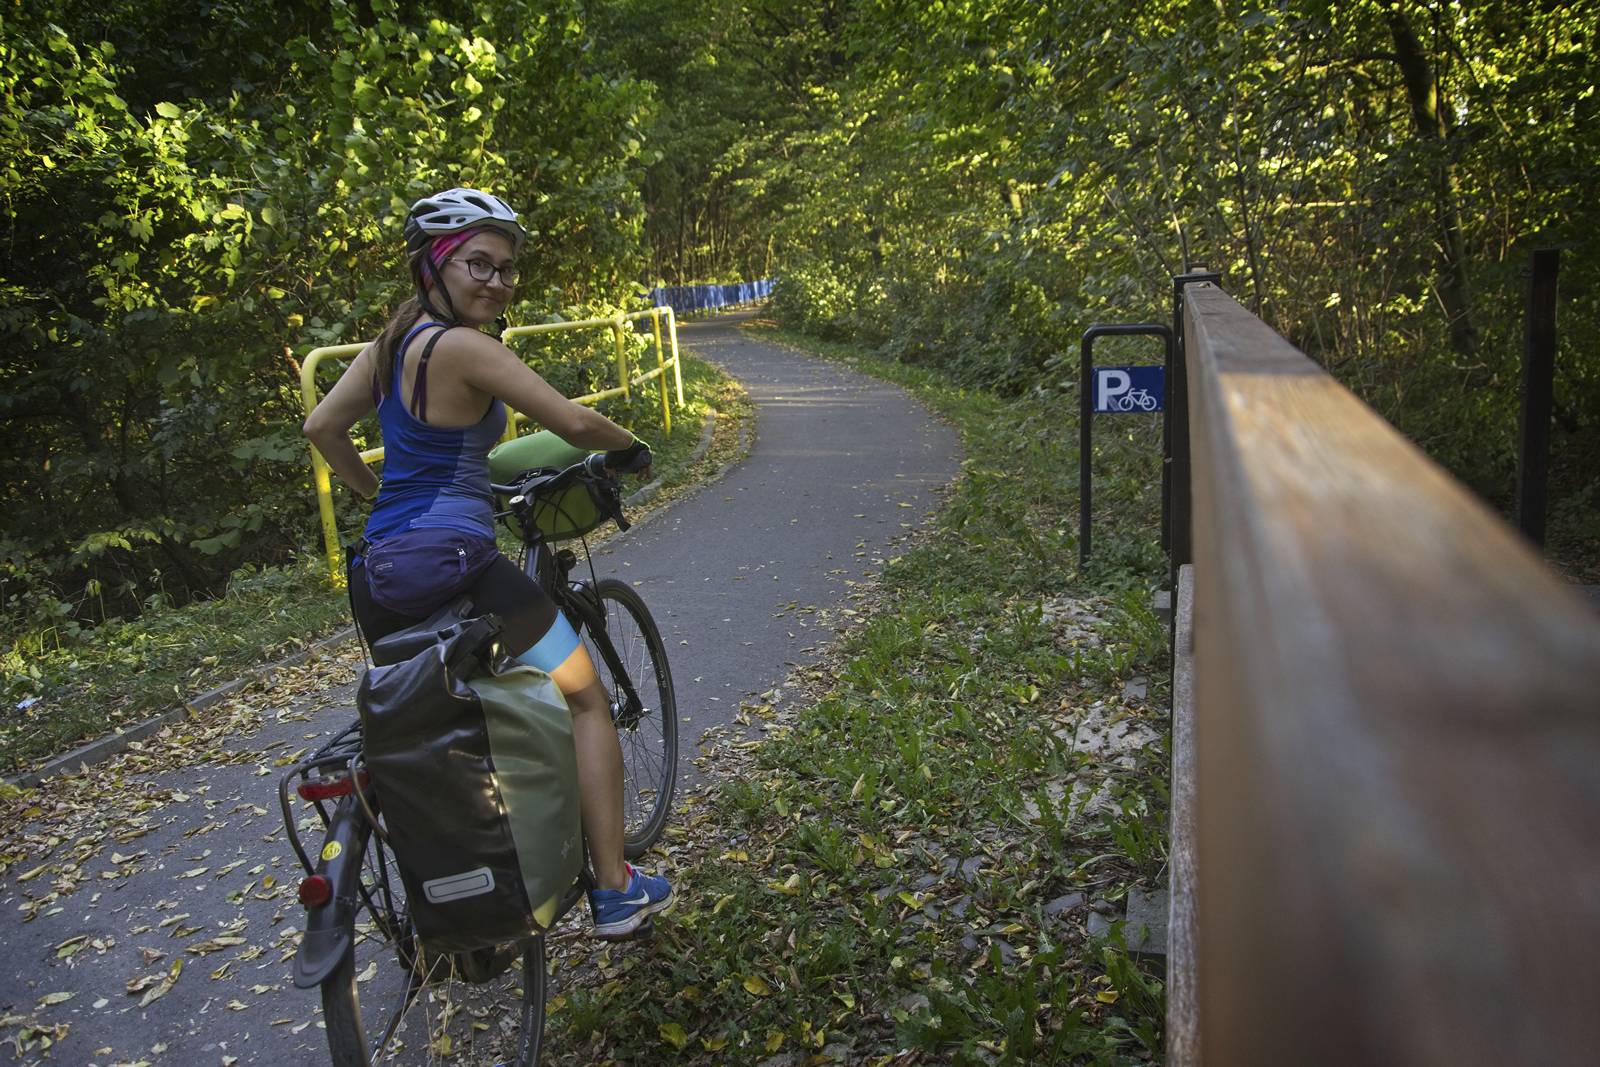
{"x":408,"y":996}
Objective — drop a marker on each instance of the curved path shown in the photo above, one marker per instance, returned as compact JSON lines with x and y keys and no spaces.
{"x":840,"y":467}
{"x":742,"y":575}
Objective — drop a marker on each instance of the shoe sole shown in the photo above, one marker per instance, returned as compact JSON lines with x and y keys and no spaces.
{"x":619,"y":931}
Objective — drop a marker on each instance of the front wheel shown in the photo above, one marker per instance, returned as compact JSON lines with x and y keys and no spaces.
{"x":631,"y":659}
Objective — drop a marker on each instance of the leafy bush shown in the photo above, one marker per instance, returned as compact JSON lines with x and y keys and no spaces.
{"x":813,"y":299}
{"x":196,"y":200}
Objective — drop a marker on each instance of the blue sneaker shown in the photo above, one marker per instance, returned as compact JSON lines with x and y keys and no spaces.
{"x":619,"y":912}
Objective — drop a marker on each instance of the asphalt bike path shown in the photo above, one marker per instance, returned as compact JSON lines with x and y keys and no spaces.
{"x":174,"y":889}
{"x":748,"y":577}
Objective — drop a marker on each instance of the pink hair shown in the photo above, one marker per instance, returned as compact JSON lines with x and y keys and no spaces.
{"x":443,"y":246}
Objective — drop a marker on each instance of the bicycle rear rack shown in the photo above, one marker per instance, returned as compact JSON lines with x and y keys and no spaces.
{"x":340,"y":753}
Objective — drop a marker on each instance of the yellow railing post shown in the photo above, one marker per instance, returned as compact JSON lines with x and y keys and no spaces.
{"x":622,"y":355}
{"x":661,"y":365}
{"x":677,"y":367}
{"x":320,"y":473}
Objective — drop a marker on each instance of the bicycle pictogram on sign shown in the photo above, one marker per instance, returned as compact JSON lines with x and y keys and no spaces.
{"x":1122,"y":389}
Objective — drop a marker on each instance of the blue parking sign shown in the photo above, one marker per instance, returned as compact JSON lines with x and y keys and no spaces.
{"x":1124,"y":389}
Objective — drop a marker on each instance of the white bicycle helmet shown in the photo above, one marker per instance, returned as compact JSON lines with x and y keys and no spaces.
{"x":460,"y":209}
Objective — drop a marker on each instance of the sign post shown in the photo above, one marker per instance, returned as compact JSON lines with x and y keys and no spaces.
{"x":1538,"y":392}
{"x":1119,"y":390}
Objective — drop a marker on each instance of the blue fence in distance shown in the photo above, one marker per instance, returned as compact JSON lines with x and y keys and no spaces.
{"x":683,"y":298}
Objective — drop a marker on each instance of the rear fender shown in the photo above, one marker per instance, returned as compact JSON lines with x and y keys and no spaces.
{"x":329,"y":927}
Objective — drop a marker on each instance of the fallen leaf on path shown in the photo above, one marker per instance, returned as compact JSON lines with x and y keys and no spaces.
{"x":163,"y":987}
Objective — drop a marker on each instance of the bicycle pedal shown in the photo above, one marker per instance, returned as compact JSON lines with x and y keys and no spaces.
{"x":646,"y":930}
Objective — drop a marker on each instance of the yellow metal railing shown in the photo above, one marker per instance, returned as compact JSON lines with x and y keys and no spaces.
{"x":625,"y":381}
{"x":618,"y":324}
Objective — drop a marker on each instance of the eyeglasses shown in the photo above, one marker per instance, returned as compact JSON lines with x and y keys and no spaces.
{"x":482,"y":270}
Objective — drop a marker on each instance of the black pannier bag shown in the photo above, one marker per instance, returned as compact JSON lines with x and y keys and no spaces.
{"x":477,"y":783}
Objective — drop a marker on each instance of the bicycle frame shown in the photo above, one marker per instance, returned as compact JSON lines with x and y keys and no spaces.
{"x":575,"y":599}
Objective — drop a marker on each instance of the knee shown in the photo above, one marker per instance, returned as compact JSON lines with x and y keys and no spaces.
{"x":590,"y":700}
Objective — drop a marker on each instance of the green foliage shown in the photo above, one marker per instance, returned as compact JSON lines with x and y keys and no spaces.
{"x":195,"y":198}
{"x":981,"y":180}
{"x":61,"y":686}
{"x":740,"y":86}
{"x":812,"y":298}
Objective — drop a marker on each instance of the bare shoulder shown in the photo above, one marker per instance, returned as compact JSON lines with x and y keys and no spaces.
{"x":469,"y":347}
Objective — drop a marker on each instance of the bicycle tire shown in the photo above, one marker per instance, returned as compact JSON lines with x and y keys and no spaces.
{"x":650,"y":740}
{"x":391,"y":960}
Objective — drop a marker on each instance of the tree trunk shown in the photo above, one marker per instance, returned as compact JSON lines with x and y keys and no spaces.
{"x":1431,"y":118}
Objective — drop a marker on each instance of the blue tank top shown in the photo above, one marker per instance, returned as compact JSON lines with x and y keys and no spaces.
{"x":434,"y":476}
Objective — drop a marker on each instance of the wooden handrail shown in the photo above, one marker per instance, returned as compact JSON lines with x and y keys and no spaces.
{"x":1398,"y":733}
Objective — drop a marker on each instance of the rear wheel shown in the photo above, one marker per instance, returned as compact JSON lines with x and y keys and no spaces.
{"x":647,"y":720}
{"x":388,"y":1001}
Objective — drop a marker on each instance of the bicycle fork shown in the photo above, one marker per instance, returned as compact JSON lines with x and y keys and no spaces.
{"x":587,"y":602}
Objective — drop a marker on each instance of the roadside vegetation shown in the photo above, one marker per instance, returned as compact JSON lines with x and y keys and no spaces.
{"x":67,"y":684}
{"x":921,"y":850}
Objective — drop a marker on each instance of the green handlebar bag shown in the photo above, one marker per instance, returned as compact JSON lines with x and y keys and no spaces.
{"x":539,"y":449}
{"x":476,"y":780}
{"x":560,"y":510}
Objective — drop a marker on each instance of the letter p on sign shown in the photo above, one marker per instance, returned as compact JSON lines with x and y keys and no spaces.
{"x":1109,"y":382}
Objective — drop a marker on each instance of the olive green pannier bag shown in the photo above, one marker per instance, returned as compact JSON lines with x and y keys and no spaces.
{"x":477,"y":781}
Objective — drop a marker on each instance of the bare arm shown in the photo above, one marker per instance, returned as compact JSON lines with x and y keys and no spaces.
{"x":328,"y":425}
{"x":489,"y":366}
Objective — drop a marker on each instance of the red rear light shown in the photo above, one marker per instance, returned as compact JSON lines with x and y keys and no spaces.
{"x":328,"y":788}
{"x":315,"y":891}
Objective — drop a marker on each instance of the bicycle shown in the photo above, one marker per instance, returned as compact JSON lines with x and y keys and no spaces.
{"x":1135,"y":398}
{"x":354,"y":898}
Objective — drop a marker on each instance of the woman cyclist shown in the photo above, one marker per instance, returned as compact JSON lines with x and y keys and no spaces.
{"x":440,"y":386}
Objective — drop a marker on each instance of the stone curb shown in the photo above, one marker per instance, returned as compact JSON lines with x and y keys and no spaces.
{"x":103,"y":748}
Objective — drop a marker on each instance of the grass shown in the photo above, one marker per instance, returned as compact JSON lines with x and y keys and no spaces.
{"x":905,"y":871}
{"x":59,"y":692}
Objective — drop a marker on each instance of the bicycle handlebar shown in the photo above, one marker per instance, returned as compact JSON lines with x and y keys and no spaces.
{"x":590,"y":466}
